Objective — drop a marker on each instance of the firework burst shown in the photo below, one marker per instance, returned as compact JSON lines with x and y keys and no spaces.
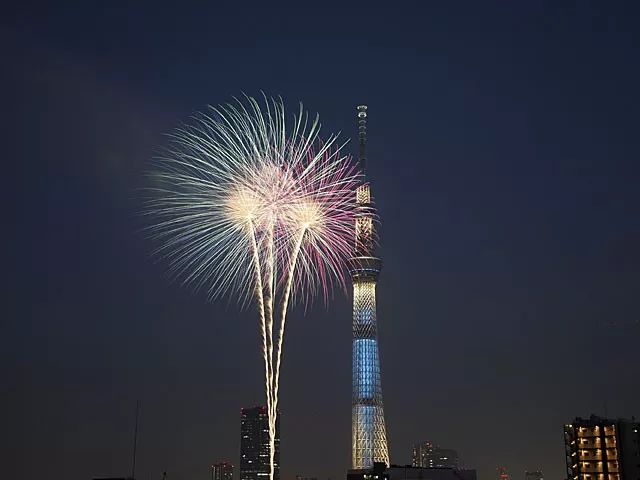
{"x":249,"y":205}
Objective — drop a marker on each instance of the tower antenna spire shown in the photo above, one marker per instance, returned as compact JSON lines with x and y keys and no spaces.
{"x":362,"y":137}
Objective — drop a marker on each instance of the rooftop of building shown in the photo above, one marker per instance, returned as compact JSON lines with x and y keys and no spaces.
{"x":594,"y":420}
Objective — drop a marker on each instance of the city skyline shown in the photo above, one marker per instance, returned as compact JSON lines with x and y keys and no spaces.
{"x":505,"y":175}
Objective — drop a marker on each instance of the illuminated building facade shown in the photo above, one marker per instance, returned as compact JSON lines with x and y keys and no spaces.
{"x":254,"y":444}
{"x":369,"y":436}
{"x":222,"y":471}
{"x":429,"y":455}
{"x":602,"y":449}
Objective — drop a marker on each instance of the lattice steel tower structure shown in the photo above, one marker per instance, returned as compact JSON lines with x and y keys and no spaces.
{"x":369,"y":436}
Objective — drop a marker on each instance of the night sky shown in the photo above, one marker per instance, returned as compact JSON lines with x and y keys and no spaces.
{"x":503,"y":154}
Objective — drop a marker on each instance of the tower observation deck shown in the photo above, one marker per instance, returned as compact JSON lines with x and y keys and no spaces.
{"x":369,"y":436}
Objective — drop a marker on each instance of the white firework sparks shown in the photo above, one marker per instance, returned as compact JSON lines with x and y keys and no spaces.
{"x":249,"y":205}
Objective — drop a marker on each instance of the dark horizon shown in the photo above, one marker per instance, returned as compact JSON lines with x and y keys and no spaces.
{"x":502,"y":149}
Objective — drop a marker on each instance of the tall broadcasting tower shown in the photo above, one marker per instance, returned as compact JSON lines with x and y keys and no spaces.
{"x":369,"y":436}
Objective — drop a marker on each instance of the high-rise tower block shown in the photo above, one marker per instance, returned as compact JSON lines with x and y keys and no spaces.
{"x":254,"y":445}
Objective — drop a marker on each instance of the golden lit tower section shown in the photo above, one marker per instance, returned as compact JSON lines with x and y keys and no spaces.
{"x":369,"y":436}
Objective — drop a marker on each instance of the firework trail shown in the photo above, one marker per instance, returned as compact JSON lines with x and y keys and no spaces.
{"x":246,"y":204}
